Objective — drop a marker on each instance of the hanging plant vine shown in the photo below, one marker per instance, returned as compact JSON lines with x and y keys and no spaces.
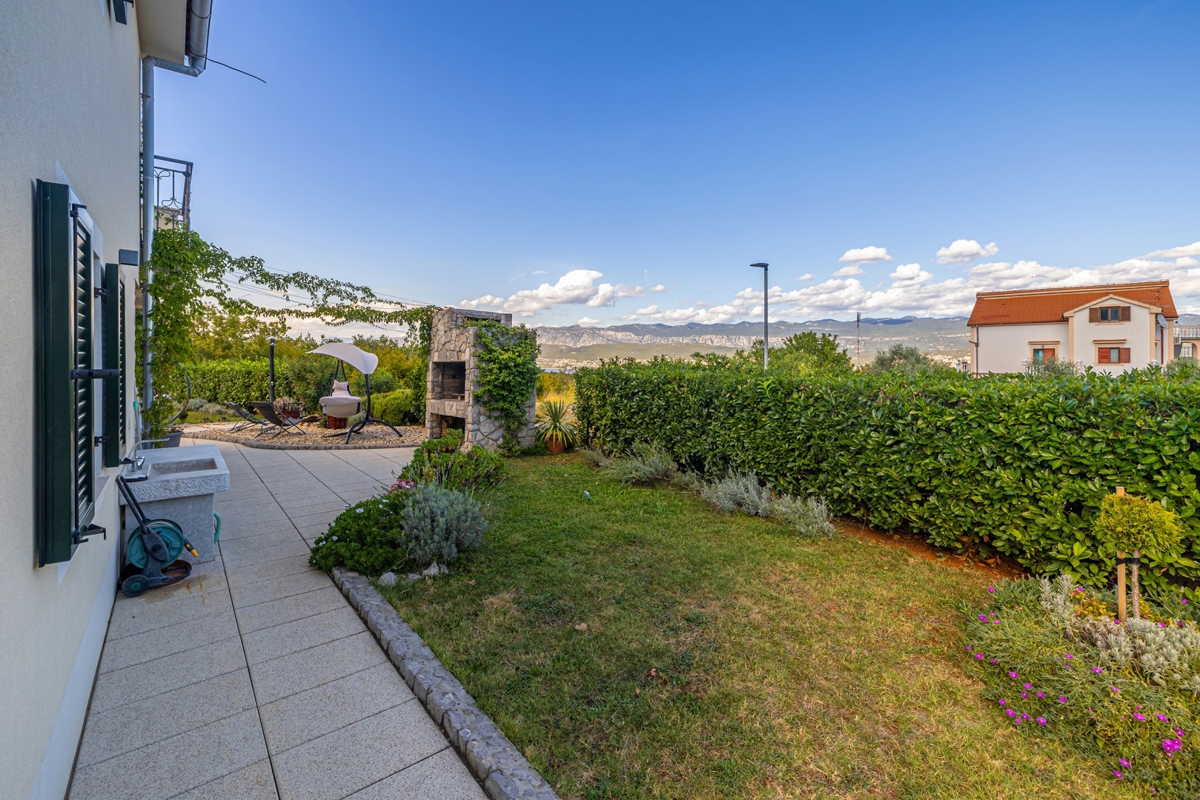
{"x":508,"y":373}
{"x":190,"y":273}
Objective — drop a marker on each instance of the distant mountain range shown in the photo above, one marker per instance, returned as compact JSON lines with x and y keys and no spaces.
{"x":575,"y":345}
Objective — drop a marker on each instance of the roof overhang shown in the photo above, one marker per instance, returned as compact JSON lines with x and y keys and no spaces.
{"x":162,"y":28}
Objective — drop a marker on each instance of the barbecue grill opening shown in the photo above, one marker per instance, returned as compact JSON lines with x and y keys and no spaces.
{"x":449,"y":380}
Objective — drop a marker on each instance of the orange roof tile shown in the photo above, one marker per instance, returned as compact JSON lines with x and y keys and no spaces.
{"x":1049,"y":305}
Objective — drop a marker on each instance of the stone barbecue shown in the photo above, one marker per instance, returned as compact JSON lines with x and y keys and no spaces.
{"x":450,"y":400}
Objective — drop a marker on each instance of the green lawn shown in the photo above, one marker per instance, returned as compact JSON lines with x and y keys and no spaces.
{"x":723,"y":657}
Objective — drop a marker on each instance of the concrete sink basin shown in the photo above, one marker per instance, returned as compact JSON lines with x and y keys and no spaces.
{"x":180,"y":484}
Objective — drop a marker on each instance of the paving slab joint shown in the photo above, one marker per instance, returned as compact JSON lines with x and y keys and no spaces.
{"x":487,"y":752}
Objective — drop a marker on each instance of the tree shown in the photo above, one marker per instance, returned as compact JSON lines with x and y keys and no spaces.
{"x":803,"y":352}
{"x":905,"y":360}
{"x":1136,"y":524}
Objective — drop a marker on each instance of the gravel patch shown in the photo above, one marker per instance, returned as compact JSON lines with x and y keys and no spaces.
{"x":310,"y":436}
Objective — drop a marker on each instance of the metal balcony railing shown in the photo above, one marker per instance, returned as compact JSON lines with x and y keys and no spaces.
{"x":172,"y":192}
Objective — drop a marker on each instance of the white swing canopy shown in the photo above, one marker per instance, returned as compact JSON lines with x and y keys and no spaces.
{"x":360,"y":359}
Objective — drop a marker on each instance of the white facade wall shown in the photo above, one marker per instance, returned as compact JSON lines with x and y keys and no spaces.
{"x":69,"y":106}
{"x":1004,"y":348}
{"x":1138,"y":335}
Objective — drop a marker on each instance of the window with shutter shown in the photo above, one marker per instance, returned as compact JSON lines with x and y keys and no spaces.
{"x":1126,"y":355}
{"x":1110,"y":314}
{"x":64,"y":425}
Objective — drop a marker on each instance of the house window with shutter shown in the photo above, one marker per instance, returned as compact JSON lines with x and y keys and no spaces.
{"x":64,"y":374}
{"x":1113,"y":355}
{"x":1043,"y":354}
{"x":1110,"y":314}
{"x":113,"y":305}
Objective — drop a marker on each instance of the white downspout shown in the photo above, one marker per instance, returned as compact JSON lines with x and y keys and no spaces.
{"x":199,"y":18}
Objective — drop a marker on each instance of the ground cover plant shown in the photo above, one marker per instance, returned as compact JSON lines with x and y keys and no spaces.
{"x":1001,"y":464}
{"x":636,"y":642}
{"x":1059,"y":667}
{"x":441,"y":461}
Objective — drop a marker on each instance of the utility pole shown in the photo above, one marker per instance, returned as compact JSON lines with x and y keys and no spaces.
{"x":858,"y":338}
{"x":766,"y":342}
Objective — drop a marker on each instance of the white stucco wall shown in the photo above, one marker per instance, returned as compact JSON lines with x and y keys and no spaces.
{"x":1137,"y":333}
{"x":69,"y":82}
{"x":1003,"y":348}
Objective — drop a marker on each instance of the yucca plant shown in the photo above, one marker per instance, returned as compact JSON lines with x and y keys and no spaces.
{"x":556,"y":427}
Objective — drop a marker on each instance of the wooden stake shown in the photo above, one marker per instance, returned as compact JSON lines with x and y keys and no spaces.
{"x":1137,"y":554}
{"x":1121,"y":575}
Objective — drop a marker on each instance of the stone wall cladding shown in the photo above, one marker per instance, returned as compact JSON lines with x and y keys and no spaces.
{"x":499,"y":766}
{"x":452,"y":341}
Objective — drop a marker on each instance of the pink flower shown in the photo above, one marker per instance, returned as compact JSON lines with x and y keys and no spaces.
{"x":1161,"y":717}
{"x":983,"y":618}
{"x":995,"y":622}
{"x":1024,"y":695}
{"x":1139,"y":717}
{"x":1013,"y":675}
{"x":1062,"y":699}
{"x":1002,"y":702}
{"x":970,"y":648}
{"x":1025,"y":716}
{"x":1171,"y":746}
{"x":979,"y":656}
{"x":1029,"y":686}
{"x":1115,"y":690}
{"x":1184,"y":601}
{"x":1041,"y":695}
{"x":1041,"y":720}
{"x":1117,"y":773}
{"x":993,"y":661}
{"x":1012,"y":713}
{"x":1068,"y":656}
{"x":1125,"y":763}
{"x":992,"y":590}
{"x":1097,"y":670}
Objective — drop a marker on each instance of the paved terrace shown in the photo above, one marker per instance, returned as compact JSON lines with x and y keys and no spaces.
{"x":254,"y":678}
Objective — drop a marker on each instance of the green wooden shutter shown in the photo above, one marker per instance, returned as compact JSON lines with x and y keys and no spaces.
{"x":85,"y":428}
{"x":114,"y":401}
{"x":121,"y":356}
{"x":54,"y":391}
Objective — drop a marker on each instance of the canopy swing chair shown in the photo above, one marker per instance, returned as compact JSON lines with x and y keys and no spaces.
{"x":341,"y":403}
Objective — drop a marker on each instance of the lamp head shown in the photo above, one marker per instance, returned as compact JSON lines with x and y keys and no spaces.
{"x":760,"y":265}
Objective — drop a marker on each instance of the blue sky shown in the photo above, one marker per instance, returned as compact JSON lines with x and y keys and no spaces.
{"x":564,"y":160}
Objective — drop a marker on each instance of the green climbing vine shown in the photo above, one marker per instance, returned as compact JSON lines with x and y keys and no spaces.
{"x":190,"y":273}
{"x":508,"y":372}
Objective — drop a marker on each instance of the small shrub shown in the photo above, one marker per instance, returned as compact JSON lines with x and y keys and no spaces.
{"x":366,"y":538}
{"x":472,"y":471}
{"x":440,"y":523}
{"x":1133,"y":523}
{"x":449,"y":442}
{"x":286,"y":406}
{"x":382,"y":382}
{"x":555,"y":424}
{"x":395,"y":408}
{"x":594,"y":457}
{"x":646,"y":467}
{"x":1057,"y":666}
{"x":196,"y":404}
{"x":739,"y":493}
{"x":809,"y":516}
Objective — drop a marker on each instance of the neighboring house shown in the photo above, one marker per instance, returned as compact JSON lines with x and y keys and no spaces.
{"x":1111,"y":328}
{"x":1187,"y":341}
{"x":75,"y":78}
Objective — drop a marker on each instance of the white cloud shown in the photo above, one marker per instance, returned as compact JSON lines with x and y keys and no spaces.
{"x":808,"y":276}
{"x":588,"y":321}
{"x":1187,"y":251}
{"x":538,"y":272}
{"x":846,"y":272}
{"x":658,"y":288}
{"x":577,"y":287}
{"x":912,"y":290}
{"x":963,"y":251}
{"x":1187,"y":261}
{"x":487,"y":301}
{"x":864,"y":255}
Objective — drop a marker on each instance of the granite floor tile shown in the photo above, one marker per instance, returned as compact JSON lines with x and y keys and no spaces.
{"x":291,"y":637}
{"x":274,"y":680}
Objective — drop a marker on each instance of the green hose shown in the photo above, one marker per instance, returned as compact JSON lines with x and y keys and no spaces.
{"x":217,"y":532}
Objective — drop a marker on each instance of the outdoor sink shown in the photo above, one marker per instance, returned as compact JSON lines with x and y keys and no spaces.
{"x":175,"y":467}
{"x":179,"y":485}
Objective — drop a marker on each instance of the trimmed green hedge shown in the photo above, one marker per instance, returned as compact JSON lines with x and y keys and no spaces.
{"x":243,"y":380}
{"x":1014,"y":465}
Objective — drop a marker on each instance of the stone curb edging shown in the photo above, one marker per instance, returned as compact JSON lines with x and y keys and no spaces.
{"x":504,"y":772}
{"x":222,"y":437}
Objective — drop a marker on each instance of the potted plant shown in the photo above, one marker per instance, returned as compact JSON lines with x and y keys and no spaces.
{"x":555,"y":427}
{"x":288,"y":408}
{"x":1135,"y":524}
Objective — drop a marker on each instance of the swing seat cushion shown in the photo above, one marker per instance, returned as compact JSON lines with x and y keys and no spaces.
{"x":340,"y":405}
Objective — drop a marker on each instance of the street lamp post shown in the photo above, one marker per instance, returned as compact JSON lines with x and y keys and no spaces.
{"x":271,"y":367}
{"x":766,"y":343}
